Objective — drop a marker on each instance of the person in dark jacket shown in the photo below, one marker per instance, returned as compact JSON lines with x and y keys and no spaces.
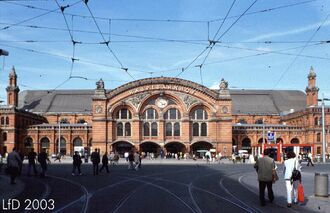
{"x":76,"y":163}
{"x":95,"y":158}
{"x":32,"y":162}
{"x":131,"y":160}
{"x":13,"y":164}
{"x":105,"y":161}
{"x":42,"y":159}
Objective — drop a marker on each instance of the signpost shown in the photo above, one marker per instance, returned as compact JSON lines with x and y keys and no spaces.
{"x":271,"y":136}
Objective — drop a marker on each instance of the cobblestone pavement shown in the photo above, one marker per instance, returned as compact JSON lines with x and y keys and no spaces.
{"x":159,"y":186}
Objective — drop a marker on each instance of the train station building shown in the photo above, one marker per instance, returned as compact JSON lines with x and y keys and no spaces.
{"x":169,"y":114}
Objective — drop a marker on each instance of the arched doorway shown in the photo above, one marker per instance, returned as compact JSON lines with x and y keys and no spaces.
{"x":246,"y":145}
{"x":44,"y":144}
{"x":121,"y":147}
{"x":279,"y":140}
{"x":150,"y":147}
{"x":175,"y":147}
{"x":199,"y":148}
{"x":62,"y":146}
{"x":295,"y":141}
{"x":260,"y":141}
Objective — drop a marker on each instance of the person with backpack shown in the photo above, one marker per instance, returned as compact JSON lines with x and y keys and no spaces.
{"x":292,"y":177}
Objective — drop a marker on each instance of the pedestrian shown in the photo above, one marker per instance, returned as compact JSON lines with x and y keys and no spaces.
{"x":43,"y":159}
{"x":310,"y":159}
{"x":105,"y":162}
{"x":291,"y":186}
{"x":76,"y":163}
{"x":130,"y":160}
{"x":136,"y":160}
{"x":126,"y":156}
{"x":21,"y":155}
{"x":95,"y":158}
{"x":264,"y":167}
{"x":58,"y":157}
{"x":32,"y":162}
{"x":13,"y":164}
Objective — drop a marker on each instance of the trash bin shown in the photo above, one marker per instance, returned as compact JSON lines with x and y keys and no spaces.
{"x":321,"y":184}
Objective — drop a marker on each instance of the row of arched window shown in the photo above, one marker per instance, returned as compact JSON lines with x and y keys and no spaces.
{"x":172,"y":122}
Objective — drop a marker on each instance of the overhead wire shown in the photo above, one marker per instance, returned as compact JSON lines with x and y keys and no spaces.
{"x":300,"y":52}
{"x":213,"y":43}
{"x":35,"y":17}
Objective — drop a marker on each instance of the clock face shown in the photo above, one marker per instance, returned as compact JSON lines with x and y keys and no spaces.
{"x":161,"y":102}
{"x":98,"y":109}
{"x":224,"y":109}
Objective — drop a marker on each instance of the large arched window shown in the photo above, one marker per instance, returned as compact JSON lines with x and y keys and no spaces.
{"x":199,"y":117}
{"x":7,"y":120}
{"x":150,"y":125}
{"x":172,"y":118}
{"x":28,"y":142}
{"x":44,"y":143}
{"x":2,"y":121}
{"x":76,"y":142}
{"x":123,"y":120}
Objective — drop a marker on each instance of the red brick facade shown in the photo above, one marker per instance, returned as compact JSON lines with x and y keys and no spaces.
{"x":156,"y":114}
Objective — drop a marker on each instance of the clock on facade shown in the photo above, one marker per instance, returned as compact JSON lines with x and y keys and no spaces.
{"x":224,"y":110}
{"x":161,"y":102}
{"x":98,"y":109}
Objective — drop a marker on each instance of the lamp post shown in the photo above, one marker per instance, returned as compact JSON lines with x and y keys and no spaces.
{"x":59,"y":138}
{"x":323,"y":126}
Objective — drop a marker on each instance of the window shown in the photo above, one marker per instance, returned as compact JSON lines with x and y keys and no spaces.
{"x":316,"y":121}
{"x":7,"y":120}
{"x":177,"y":129}
{"x":81,"y":121}
{"x":195,"y":129}
{"x":123,"y":117}
{"x":2,"y":121}
{"x":146,"y":129}
{"x":127,"y":129}
{"x":172,"y":117}
{"x":150,"y":127}
{"x":169,"y":129}
{"x":199,"y":117}
{"x":203,"y":129}
{"x":124,"y":114}
{"x":64,"y":121}
{"x":318,"y":137}
{"x":154,"y":129}
{"x":120,"y":129}
{"x":259,"y":121}
{"x":242,"y":121}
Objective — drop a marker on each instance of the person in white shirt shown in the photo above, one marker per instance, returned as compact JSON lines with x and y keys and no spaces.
{"x":291,"y":186}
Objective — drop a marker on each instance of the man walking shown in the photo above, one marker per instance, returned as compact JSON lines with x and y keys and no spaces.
{"x":105,"y":162}
{"x":14,"y":162}
{"x":76,"y":163}
{"x":309,"y":159}
{"x":264,"y":167}
{"x":32,"y":162}
{"x":95,"y":158}
{"x":42,"y":159}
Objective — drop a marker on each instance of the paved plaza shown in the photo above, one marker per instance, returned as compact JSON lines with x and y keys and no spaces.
{"x":161,"y":186}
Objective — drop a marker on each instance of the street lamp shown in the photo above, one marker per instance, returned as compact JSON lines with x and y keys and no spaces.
{"x":323,"y":126}
{"x":59,"y":137}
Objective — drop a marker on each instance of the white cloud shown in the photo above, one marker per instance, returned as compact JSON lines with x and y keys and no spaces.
{"x":214,"y":85}
{"x":289,"y":32}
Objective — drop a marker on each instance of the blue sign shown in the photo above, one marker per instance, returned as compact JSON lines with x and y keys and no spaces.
{"x":271,"y":136}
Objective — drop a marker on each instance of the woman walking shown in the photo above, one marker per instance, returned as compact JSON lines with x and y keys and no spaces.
{"x":291,"y":185}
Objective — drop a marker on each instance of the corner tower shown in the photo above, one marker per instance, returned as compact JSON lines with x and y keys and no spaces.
{"x":311,"y":90}
{"x":12,"y":89}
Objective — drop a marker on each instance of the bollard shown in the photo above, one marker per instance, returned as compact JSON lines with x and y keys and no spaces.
{"x":321,"y":185}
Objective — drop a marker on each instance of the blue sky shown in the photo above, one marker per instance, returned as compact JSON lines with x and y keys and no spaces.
{"x":262,"y":50}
